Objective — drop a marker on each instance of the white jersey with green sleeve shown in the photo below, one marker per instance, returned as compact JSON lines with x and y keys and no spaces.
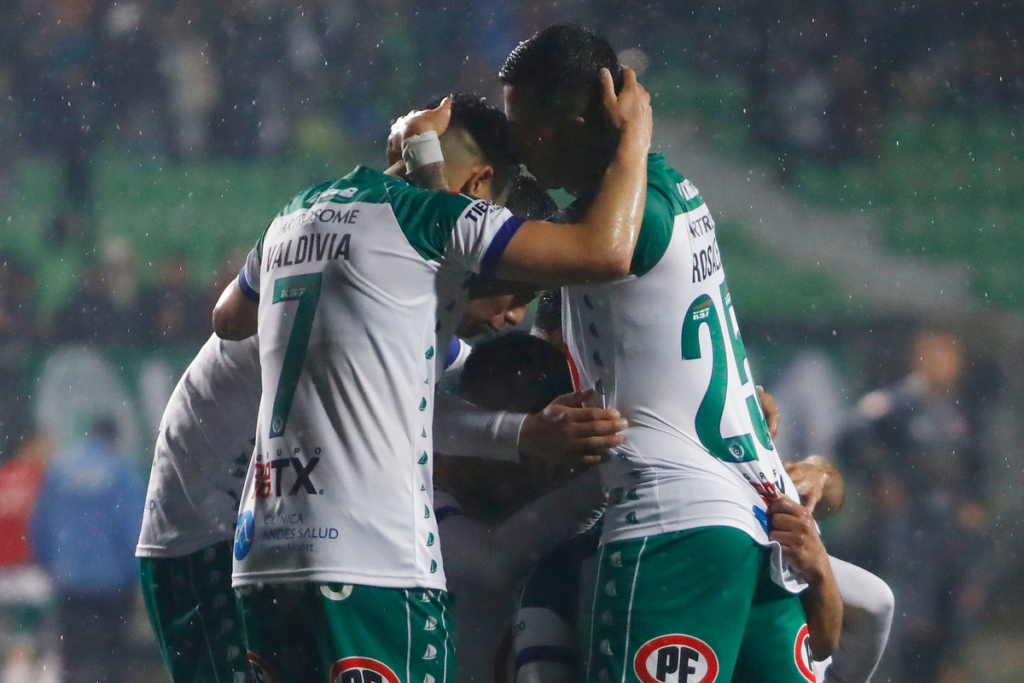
{"x":662,"y":346}
{"x":340,"y":484}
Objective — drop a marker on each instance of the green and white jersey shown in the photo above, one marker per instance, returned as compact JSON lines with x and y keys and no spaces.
{"x":662,"y":346}
{"x":340,"y":485}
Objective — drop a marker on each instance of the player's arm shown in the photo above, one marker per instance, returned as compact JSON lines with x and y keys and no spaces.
{"x":819,"y":484}
{"x":564,"y":429}
{"x":868,"y":607}
{"x":600,"y":247}
{"x":498,"y":557}
{"x":793,"y":527}
{"x":413,"y":147}
{"x":236,"y":314}
{"x":495,"y":243}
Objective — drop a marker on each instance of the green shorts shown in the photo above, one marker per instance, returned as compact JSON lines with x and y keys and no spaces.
{"x":693,"y":606}
{"x":195,"y":617}
{"x":340,"y":633}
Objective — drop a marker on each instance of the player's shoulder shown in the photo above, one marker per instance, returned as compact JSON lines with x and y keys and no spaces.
{"x":363,"y":184}
{"x":669,"y":194}
{"x":672,"y":192}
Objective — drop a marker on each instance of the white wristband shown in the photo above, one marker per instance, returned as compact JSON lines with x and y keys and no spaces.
{"x":422,"y":149}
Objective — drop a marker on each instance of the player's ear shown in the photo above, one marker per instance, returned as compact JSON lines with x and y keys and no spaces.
{"x":479,"y":184}
{"x":577,"y":133}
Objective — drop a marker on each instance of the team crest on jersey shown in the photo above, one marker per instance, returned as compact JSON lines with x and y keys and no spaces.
{"x":676,"y":658}
{"x":262,"y":672}
{"x":802,"y":654}
{"x":362,"y":670}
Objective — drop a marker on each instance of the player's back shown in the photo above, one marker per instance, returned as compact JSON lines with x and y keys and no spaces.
{"x":340,"y":487}
{"x":663,"y":347}
{"x":202,"y":451}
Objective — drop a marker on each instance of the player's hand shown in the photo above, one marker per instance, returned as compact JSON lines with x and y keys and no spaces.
{"x":568,"y":430}
{"x":630,"y":109}
{"x":771,"y":411}
{"x":809,"y":477}
{"x":417,"y":122}
{"x":793,"y":527}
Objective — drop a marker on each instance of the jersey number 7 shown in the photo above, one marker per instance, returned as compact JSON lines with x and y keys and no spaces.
{"x":305,"y":289}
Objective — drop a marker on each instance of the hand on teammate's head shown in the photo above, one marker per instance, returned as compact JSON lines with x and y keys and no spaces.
{"x":417,"y":122}
{"x":570,"y":431}
{"x":630,"y":109}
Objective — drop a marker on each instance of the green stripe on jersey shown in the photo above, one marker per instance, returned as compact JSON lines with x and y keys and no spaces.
{"x":668,"y":195}
{"x":426,"y":218}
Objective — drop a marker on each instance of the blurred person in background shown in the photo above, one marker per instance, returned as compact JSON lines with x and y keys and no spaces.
{"x":915,"y":443}
{"x":83,"y":532}
{"x":171,"y":310}
{"x":17,"y":334}
{"x":60,"y":49}
{"x":106,"y":307}
{"x":25,"y":593}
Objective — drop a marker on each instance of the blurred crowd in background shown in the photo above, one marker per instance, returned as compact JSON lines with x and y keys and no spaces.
{"x":181,"y":78}
{"x":257,"y":80}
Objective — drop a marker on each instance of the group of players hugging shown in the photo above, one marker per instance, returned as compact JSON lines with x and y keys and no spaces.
{"x":609,"y":506}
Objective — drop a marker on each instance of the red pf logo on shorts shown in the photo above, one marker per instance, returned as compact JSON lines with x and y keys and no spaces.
{"x":261,"y":671}
{"x":362,"y":670}
{"x":676,"y":658}
{"x":802,"y":653}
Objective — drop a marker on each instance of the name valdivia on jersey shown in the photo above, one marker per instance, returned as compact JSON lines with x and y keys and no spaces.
{"x":308,"y":248}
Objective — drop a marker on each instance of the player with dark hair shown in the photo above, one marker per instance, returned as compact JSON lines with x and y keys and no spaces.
{"x":203,"y":447}
{"x":497,"y":519}
{"x":336,"y":549}
{"x":516,"y":371}
{"x":692,"y":489}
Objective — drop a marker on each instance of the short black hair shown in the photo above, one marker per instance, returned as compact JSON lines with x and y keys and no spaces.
{"x":528,"y":200}
{"x":486,"y":124}
{"x":562,"y":61}
{"x":516,"y":372}
{"x":549,"y":311}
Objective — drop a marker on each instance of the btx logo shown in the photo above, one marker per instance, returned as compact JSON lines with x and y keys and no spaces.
{"x":802,"y":654}
{"x":269,"y":477}
{"x":676,"y":658}
{"x":362,"y":670}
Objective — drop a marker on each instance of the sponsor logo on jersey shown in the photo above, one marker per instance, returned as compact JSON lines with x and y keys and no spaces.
{"x":688,"y":190}
{"x":362,"y":670}
{"x":480,"y":208}
{"x":676,"y":658}
{"x":326,"y":195}
{"x":262,"y":672}
{"x":702,"y":226}
{"x":245,"y":533}
{"x":802,"y":654}
{"x":271,"y":479}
